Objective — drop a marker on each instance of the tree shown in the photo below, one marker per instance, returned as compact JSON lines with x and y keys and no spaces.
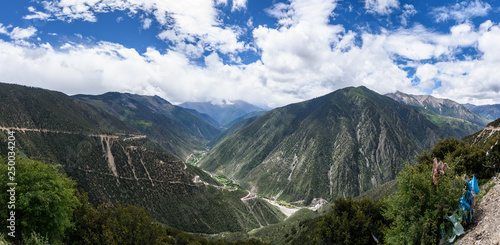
{"x":418,"y":208}
{"x":351,"y":222}
{"x":122,"y":224}
{"x":45,"y":199}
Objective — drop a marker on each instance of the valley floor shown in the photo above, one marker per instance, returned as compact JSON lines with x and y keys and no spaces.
{"x":286,"y":210}
{"x":486,"y":229}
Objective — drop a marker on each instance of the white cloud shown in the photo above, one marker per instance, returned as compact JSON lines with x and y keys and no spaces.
{"x":419,"y":43}
{"x":196,"y":20}
{"x":470,"y":80}
{"x":22,"y":33}
{"x":462,"y":11}
{"x":408,"y":11}
{"x":239,"y":5}
{"x":146,"y":23}
{"x":308,"y":57}
{"x":304,"y":56}
{"x":36,"y":14}
{"x":381,"y":7}
{"x":3,"y":29}
{"x":250,"y":23}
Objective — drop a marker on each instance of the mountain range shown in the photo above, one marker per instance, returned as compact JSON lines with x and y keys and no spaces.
{"x":340,"y":144}
{"x":112,"y":161}
{"x":449,"y":115}
{"x":136,"y":149}
{"x":179,"y":131}
{"x":491,"y":112}
{"x":224,"y":113}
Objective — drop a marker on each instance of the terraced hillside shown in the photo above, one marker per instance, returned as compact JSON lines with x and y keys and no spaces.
{"x":178,"y":130}
{"x":114,"y":163}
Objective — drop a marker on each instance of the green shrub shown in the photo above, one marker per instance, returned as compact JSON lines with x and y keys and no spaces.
{"x":45,"y":199}
{"x":36,"y":239}
{"x":418,"y":208}
{"x":469,"y":160}
{"x":351,"y":222}
{"x":122,"y":224}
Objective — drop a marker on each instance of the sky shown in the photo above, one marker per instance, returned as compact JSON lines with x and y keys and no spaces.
{"x":269,"y":53}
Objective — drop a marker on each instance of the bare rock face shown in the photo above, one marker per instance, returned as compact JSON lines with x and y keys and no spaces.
{"x":443,"y":107}
{"x":486,"y":229}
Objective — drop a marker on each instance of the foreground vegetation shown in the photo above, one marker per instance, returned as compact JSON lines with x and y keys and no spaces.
{"x":50,"y":209}
{"x":410,"y":210}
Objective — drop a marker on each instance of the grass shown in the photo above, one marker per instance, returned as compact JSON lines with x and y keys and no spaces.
{"x":3,"y":241}
{"x":485,"y":190}
{"x":227,"y":182}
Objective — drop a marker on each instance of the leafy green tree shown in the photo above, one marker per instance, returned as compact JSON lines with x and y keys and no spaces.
{"x":45,"y":199}
{"x":122,"y":224}
{"x":469,"y":160}
{"x":493,"y":156}
{"x":351,"y":222}
{"x":418,"y":208}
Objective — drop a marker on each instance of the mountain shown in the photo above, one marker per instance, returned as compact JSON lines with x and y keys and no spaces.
{"x":236,"y":125}
{"x":204,"y":117}
{"x":113,"y":162}
{"x":244,"y":117}
{"x":27,"y":107}
{"x":178,"y":130}
{"x":482,"y":137}
{"x":223,"y":113}
{"x":340,"y":144}
{"x":491,"y":112}
{"x":452,"y":117}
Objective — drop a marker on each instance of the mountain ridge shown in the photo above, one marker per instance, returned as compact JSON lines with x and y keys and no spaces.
{"x":443,"y":107}
{"x":223,"y":113}
{"x":180,"y":131}
{"x":491,"y":112}
{"x":342,"y":144}
{"x":115,"y":163}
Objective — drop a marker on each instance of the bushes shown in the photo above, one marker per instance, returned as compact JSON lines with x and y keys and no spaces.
{"x":351,"y":222}
{"x":418,"y":207}
{"x":469,"y":160}
{"x":50,"y":209}
{"x":119,"y":225}
{"x":45,"y":200}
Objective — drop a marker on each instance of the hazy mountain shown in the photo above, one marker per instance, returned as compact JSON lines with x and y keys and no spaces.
{"x":115,"y":163}
{"x":223,"y":113}
{"x":491,"y":112}
{"x":341,"y":144}
{"x":453,"y":118}
{"x":178,"y":130}
{"x":236,"y":126}
{"x":204,"y":117}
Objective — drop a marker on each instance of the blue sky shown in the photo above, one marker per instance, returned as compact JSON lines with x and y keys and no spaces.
{"x":269,"y":53}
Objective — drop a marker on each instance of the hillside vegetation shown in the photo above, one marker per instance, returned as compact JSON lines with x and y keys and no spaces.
{"x":341,"y":144}
{"x":50,"y":210}
{"x":179,"y":131}
{"x":115,"y":164}
{"x":413,"y":213}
